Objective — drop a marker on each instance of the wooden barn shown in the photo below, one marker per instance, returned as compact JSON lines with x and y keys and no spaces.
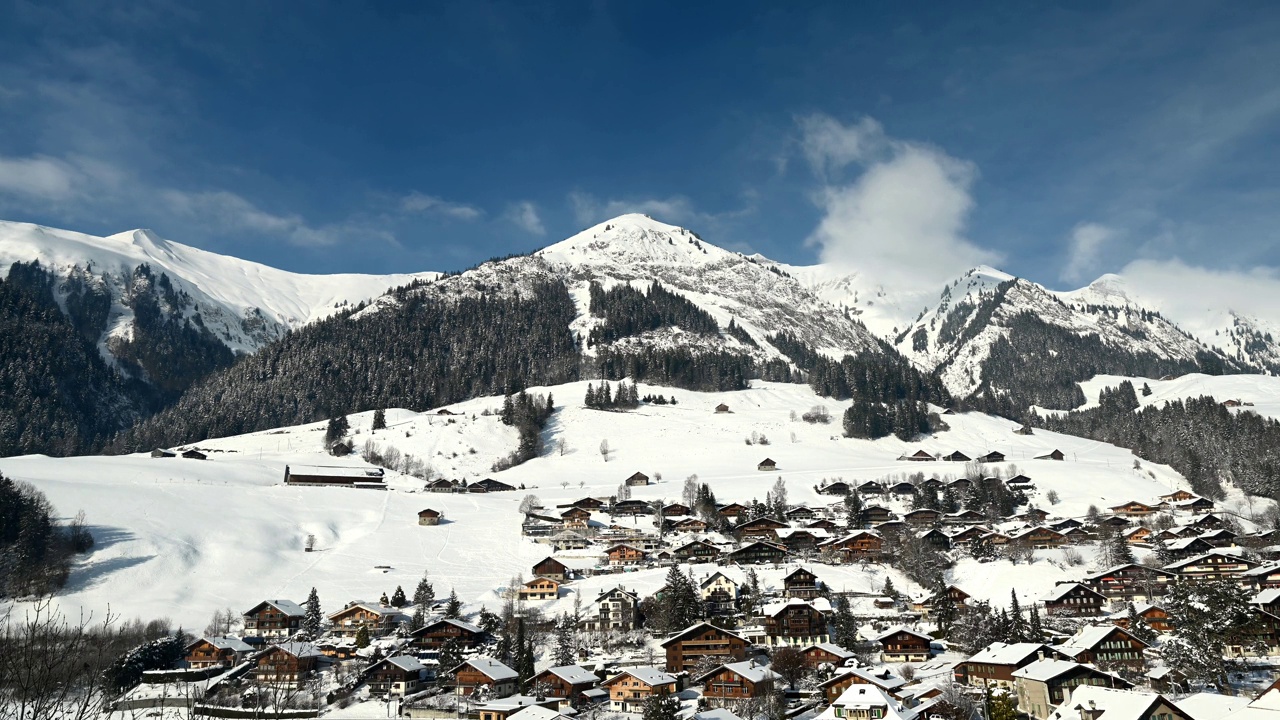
{"x":429,"y":517}
{"x":335,"y":476}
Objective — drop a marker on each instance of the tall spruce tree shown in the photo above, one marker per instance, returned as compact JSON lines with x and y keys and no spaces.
{"x":312,"y":618}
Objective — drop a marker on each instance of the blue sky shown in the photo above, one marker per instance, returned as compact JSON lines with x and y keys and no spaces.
{"x":1057,"y":142}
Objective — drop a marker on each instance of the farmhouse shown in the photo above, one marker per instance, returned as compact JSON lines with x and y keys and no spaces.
{"x":956,"y":456}
{"x":567,"y":682}
{"x":1054,"y":455}
{"x":287,"y":664}
{"x":550,"y":567}
{"x":722,"y":408}
{"x":1072,"y":599}
{"x":995,"y":456}
{"x":490,"y":485}
{"x":435,"y":634}
{"x":794,"y":622}
{"x":162,"y":453}
{"x":767,"y":465}
{"x":194,"y":454}
{"x":918,"y":456}
{"x":637,"y":480}
{"x":429,"y":517}
{"x":758,"y":552}
{"x":334,"y":476}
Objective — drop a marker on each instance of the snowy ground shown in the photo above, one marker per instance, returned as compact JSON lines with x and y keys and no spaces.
{"x":181,"y":538}
{"x":1261,"y":390}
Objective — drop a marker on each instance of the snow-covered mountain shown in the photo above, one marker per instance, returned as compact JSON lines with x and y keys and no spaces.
{"x":244,"y":304}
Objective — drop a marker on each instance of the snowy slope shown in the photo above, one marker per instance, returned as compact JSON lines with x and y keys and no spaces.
{"x":244,"y":303}
{"x":181,"y":538}
{"x":1259,"y":393}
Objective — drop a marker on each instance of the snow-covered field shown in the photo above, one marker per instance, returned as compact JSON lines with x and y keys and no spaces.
{"x":181,"y":538}
{"x":1262,"y":391}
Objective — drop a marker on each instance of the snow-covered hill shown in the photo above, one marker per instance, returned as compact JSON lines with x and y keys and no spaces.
{"x":182,"y":538}
{"x":245,"y":304}
{"x":1243,"y":393}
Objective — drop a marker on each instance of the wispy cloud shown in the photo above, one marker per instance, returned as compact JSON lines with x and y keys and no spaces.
{"x":233,"y":213}
{"x":677,"y":209}
{"x":420,"y":203}
{"x":524,"y":215}
{"x":1084,"y":250}
{"x":39,"y":177}
{"x":903,"y":218}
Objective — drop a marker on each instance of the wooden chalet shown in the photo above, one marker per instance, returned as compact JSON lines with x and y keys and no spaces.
{"x":624,"y":554}
{"x":273,"y":619}
{"x":994,"y":665}
{"x":396,"y":676}
{"x":858,"y":545}
{"x":1195,"y":506}
{"x":1047,"y":684}
{"x":569,"y":683}
{"x":1133,"y":508}
{"x":480,"y":671}
{"x":519,"y":707}
{"x":794,"y":622}
{"x":436,"y":633}
{"x":162,"y":453}
{"x":801,"y":540}
{"x":630,"y":689}
{"x":1213,"y":565}
{"x":550,"y":567}
{"x":838,"y":487}
{"x":1184,"y":548}
{"x":964,"y":517}
{"x":288,"y":664}
{"x":675,"y":510}
{"x":722,"y":408}
{"x":1039,"y":536}
{"x":376,"y":619}
{"x":697,"y":550}
{"x":1130,"y":583}
{"x":689,"y":524}
{"x":801,"y":513}
{"x":961,"y":485}
{"x":575,"y":518}
{"x":995,"y":456}
{"x":900,"y":645}
{"x":540,"y":588}
{"x":1076,"y":535}
{"x":441,"y":485}
{"x":631,"y":507}
{"x":1261,"y":637}
{"x":1178,"y":496}
{"x":762,"y":527}
{"x":800,"y":583}
{"x":1105,"y":644}
{"x":1055,"y":454}
{"x":738,"y":681}
{"x":902,"y":489}
{"x":194,"y":454}
{"x":1156,"y":617}
{"x":924,"y":517}
{"x":686,"y":648}
{"x":919,"y":456}
{"x":429,"y":517}
{"x":1137,"y":536}
{"x":637,"y":480}
{"x":936,"y":538}
{"x":732,"y":510}
{"x":882,"y":678}
{"x":587,"y":503}
{"x":490,"y":485}
{"x":870,"y":487}
{"x":767,"y":465}
{"x":758,"y":552}
{"x":614,"y":609}
{"x":956,"y":456}
{"x":1263,"y":577}
{"x":719,"y":594}
{"x":823,"y":524}
{"x":968,"y":535}
{"x":831,"y":654}
{"x":1071,"y":599}
{"x":217,"y":652}
{"x":329,"y":476}
{"x":1019,"y":482}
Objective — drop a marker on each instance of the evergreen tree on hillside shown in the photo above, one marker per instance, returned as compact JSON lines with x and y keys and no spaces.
{"x":398,"y":599}
{"x":336,"y":430}
{"x":313,"y":618}
{"x":453,"y":609}
{"x":379,"y":419}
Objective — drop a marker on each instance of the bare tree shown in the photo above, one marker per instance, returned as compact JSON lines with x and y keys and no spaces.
{"x":529,"y":504}
{"x":604,"y":449}
{"x":690,"y":492}
{"x":51,"y":667}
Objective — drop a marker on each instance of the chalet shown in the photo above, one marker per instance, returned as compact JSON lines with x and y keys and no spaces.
{"x":1178,"y":496}
{"x":273,"y":619}
{"x":1055,"y":455}
{"x":441,"y":485}
{"x":1219,"y":564}
{"x":637,"y":479}
{"x":697,"y":550}
{"x":1184,"y":548}
{"x":480,"y":671}
{"x":826,"y":654}
{"x":932,"y":485}
{"x":630,"y":689}
{"x":956,"y":456}
{"x":490,"y":485}
{"x":194,"y":454}
{"x":436,"y":633}
{"x":1220,"y":538}
{"x":217,"y":652}
{"x":722,"y":408}
{"x":964,"y":517}
{"x":1137,"y":536}
{"x":1025,"y":430}
{"x":1263,"y":577}
{"x":900,"y":645}
{"x":429,"y":517}
{"x":445,"y":411}
{"x":1195,"y":506}
{"x":1047,"y":684}
{"x":400,"y":675}
{"x":587,"y":503}
{"x":737,"y":681}
{"x":995,"y":456}
{"x":542,"y":712}
{"x":1019,"y":482}
{"x":686,"y":648}
{"x":1133,"y":508}
{"x":550,"y":567}
{"x":540,"y":588}
{"x":867,"y":701}
{"x":763,"y":527}
{"x":614,"y":609}
{"x":823,"y":524}
{"x":871,"y":487}
{"x":288,"y":664}
{"x":530,"y":707}
{"x":1034,"y":515}
{"x":568,"y":540}
{"x":569,"y":683}
{"x":1130,"y":583}
{"x":995,"y":664}
{"x":967,"y":535}
{"x":758,"y":552}
{"x":1039,"y":536}
{"x":918,"y":456}
{"x":1115,"y":522}
{"x":961,"y":485}
{"x":924,"y":517}
{"x":902,"y":489}
{"x":839,"y":487}
{"x":1261,"y":636}
{"x":994,"y":538}
{"x":801,"y":513}
{"x":1071,"y":599}
{"x":1099,"y":644}
{"x":767,"y":465}
{"x":732,"y":510}
{"x":858,"y":545}
{"x":631,"y":507}
{"x":1153,"y":615}
{"x":882,"y":678}
{"x":801,"y":540}
{"x":675,"y":510}
{"x":161,"y":453}
{"x":377,"y":620}
{"x":575,"y":518}
{"x":800,"y":584}
{"x":794,"y":622}
{"x":719,"y":594}
{"x":936,"y":538}
{"x":624,"y":554}
{"x":327,"y":476}
{"x":691,"y":524}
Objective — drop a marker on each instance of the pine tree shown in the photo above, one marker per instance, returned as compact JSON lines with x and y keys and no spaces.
{"x":1161,"y":551}
{"x":1017,"y":625}
{"x":362,"y":637}
{"x":313,"y":618}
{"x":453,"y":609}
{"x":508,"y":415}
{"x":424,"y":594}
{"x":590,"y":399}
{"x":398,"y":599}
{"x":1034,"y":628}
{"x":450,"y":656}
{"x":566,"y":652}
{"x":379,"y":419}
{"x":336,"y":430}
{"x":1121,"y":552}
{"x":889,"y":590}
{"x":661,"y":706}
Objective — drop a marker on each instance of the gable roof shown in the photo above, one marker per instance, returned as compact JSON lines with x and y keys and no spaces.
{"x":447,"y":621}
{"x":697,"y":628}
{"x":999,"y":653}
{"x":299,"y":649}
{"x":492,"y":669}
{"x":1088,"y":638}
{"x":831,"y":648}
{"x":534,"y":712}
{"x":900,"y":629}
{"x":883,"y":677}
{"x":1062,"y":590}
{"x":288,"y":607}
{"x":747,"y":669}
{"x":573,"y":674}
{"x":1115,"y":704}
{"x":405,"y":662}
{"x":651,"y":676}
{"x":1047,"y":669}
{"x":224,"y":643}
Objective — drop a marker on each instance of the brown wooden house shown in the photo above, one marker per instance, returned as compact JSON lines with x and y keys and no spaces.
{"x":767,"y":465}
{"x":794,"y":622}
{"x":994,"y":665}
{"x":900,"y":645}
{"x":800,"y":583}
{"x":1153,"y":615}
{"x":273,"y":619}
{"x":400,"y":675}
{"x":1133,"y":508}
{"x":697,"y":550}
{"x":1072,"y":599}
{"x":690,"y":524}
{"x":484,"y":671}
{"x":757,"y":553}
{"x":637,"y":479}
{"x":826,"y":653}
{"x":540,"y":588}
{"x":763,"y":528}
{"x":429,"y":517}
{"x":624,"y":554}
{"x":288,"y":664}
{"x":737,"y":681}
{"x":859,"y":545}
{"x":550,"y":567}
{"x":1105,"y":645}
{"x":883,"y":678}
{"x":630,"y":689}
{"x":567,"y":682}
{"x":686,"y":648}
{"x":377,"y":620}
{"x":217,"y":652}
{"x":435,"y":634}
{"x":1130,"y":583}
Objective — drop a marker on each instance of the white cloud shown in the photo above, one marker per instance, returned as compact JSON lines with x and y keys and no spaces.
{"x":39,"y":177}
{"x":590,"y":210}
{"x":416,"y":202}
{"x":231,"y":212}
{"x":1084,"y":249}
{"x":524,"y":215}
{"x":1196,"y":297}
{"x":902,"y":221}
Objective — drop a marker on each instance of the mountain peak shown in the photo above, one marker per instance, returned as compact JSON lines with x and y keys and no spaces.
{"x":633,"y":239}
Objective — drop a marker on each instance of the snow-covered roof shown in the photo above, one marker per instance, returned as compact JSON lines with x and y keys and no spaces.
{"x":1088,"y":637}
{"x":227,"y":643}
{"x":772,"y":609}
{"x":999,"y":653}
{"x":406,"y":663}
{"x":881,"y":677}
{"x":534,"y":712}
{"x":1115,"y":704}
{"x":747,"y":669}
{"x":1061,"y":591}
{"x":833,"y":649}
{"x":1046,"y":669}
{"x":456,"y":623}
{"x":1233,"y":553}
{"x":1212,"y":706}
{"x":495,"y":670}
{"x":697,"y":627}
{"x":648,"y":675}
{"x":336,"y":471}
{"x":288,"y":607}
{"x":573,"y":674}
{"x":299,"y":649}
{"x":865,"y":697}
{"x":900,"y":628}
{"x":1266,"y":597}
{"x":716,"y":714}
